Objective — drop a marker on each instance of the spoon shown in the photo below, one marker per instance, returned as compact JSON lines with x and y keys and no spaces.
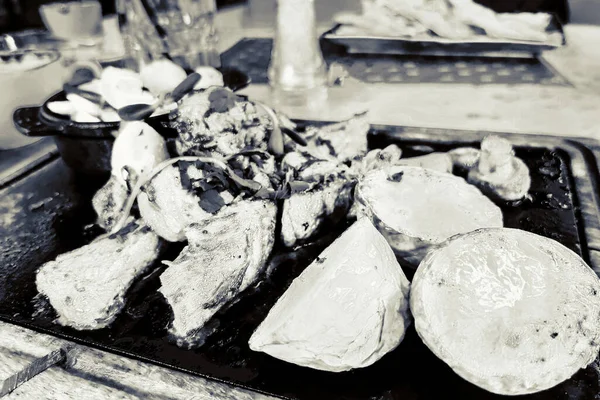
{"x":82,"y":75}
{"x":137,"y":112}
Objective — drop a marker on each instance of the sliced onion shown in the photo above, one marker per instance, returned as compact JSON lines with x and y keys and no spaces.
{"x":276,"y":137}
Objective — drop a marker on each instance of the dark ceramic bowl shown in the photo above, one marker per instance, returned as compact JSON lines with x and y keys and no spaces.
{"x":86,"y":147}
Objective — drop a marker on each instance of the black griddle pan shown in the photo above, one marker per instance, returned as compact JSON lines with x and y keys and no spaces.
{"x":48,"y":211}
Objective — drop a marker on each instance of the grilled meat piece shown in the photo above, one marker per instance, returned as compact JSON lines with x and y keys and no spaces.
{"x":344,"y":140}
{"x":87,"y":286}
{"x":304,"y":214}
{"x":327,"y":195}
{"x":218,"y":121}
{"x":168,"y":207}
{"x":108,"y":202}
{"x":225,"y":254}
{"x":377,"y":159}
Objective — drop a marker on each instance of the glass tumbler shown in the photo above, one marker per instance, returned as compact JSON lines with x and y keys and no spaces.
{"x":182,"y":30}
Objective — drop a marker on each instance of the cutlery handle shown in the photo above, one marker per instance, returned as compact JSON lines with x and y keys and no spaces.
{"x":27,"y":121}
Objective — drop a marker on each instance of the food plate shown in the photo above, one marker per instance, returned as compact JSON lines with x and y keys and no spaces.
{"x":428,"y":44}
{"x":46,"y":213}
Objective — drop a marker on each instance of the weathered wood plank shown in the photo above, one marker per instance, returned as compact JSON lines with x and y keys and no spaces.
{"x":18,"y":368}
{"x":57,"y":383}
{"x":24,"y":354}
{"x":94,"y":374}
{"x":150,"y":381}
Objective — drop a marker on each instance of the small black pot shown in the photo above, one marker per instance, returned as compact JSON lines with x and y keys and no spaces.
{"x":86,"y":147}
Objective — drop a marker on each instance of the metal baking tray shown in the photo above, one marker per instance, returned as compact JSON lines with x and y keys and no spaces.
{"x":430,"y":44}
{"x":44,"y":214}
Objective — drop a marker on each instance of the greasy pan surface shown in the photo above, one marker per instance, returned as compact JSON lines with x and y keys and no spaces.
{"x":45,"y":213}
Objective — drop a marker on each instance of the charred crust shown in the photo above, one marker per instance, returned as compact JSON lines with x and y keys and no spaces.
{"x":554,"y":335}
{"x":150,"y":192}
{"x":397,"y":177}
{"x":122,"y":234}
{"x":327,"y":143}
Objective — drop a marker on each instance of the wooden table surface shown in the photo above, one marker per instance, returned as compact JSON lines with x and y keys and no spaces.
{"x":42,"y":367}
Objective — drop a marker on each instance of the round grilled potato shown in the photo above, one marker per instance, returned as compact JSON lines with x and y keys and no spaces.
{"x":417,"y":209}
{"x":509,"y":311}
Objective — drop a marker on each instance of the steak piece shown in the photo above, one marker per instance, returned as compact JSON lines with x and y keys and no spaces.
{"x":109,"y":202}
{"x":509,"y":311}
{"x":346,"y":310}
{"x":225,"y":254}
{"x":168,"y":207}
{"x":87,"y":286}
{"x":344,"y":140}
{"x":304,"y":214}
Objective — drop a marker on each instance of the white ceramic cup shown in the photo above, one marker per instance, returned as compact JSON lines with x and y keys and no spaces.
{"x":26,"y":80}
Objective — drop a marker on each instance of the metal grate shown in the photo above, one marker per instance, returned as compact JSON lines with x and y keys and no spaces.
{"x":253,"y":56}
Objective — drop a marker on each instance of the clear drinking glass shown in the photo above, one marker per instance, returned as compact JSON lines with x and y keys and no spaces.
{"x":78,"y":22}
{"x":76,"y":29}
{"x":298,"y":73}
{"x":183,"y":30}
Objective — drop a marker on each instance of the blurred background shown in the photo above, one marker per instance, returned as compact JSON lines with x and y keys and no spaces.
{"x":16,"y":15}
{"x":23,"y":14}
